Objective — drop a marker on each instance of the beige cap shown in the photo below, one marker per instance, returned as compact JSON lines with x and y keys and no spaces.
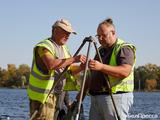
{"x":64,"y":24}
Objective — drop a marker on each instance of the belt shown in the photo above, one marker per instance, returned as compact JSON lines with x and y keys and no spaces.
{"x":104,"y":93}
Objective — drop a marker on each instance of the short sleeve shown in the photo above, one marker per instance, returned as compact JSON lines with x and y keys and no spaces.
{"x":43,"y":51}
{"x":125,"y":56}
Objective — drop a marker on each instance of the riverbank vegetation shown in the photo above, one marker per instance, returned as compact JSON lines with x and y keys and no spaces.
{"x":147,"y":77}
{"x":14,"y":77}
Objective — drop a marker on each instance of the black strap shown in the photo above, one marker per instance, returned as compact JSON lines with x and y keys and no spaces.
{"x":105,"y":93}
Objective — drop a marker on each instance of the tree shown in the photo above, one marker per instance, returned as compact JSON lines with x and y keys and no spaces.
{"x":146,"y":73}
{"x":0,"y":72}
{"x":140,"y":74}
{"x":13,"y":77}
{"x":0,"y":76}
{"x":23,"y":71}
{"x":4,"y":78}
{"x":150,"y":85}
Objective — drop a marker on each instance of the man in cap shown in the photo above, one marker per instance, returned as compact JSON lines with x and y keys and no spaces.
{"x":50,"y":57}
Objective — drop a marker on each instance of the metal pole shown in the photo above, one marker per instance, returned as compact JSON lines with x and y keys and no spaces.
{"x":83,"y":82}
{"x":108,"y":82}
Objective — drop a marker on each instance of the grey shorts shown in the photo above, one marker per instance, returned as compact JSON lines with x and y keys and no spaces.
{"x":102,"y":107}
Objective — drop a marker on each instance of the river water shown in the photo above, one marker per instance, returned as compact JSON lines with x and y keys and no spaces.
{"x":14,"y":105}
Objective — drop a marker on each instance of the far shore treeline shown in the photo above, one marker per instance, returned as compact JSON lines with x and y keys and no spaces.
{"x":147,"y":77}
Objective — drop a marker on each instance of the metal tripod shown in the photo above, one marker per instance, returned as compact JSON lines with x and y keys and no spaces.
{"x":91,"y":40}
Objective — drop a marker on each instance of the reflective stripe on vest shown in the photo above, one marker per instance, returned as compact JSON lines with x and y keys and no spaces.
{"x":41,"y":77}
{"x":126,"y":84}
{"x":39,"y":90}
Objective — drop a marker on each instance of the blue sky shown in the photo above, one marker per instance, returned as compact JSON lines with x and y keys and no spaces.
{"x":23,"y":23}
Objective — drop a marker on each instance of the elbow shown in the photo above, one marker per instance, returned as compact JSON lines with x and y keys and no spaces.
{"x":124,"y":74}
{"x":51,"y":67}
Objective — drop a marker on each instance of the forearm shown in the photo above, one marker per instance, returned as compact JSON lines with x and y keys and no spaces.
{"x":121,"y":71}
{"x":61,"y":63}
{"x":52,"y":63}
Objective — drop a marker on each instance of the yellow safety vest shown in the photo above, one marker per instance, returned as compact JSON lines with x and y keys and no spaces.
{"x":126,"y":84}
{"x":71,"y":83}
{"x":41,"y":84}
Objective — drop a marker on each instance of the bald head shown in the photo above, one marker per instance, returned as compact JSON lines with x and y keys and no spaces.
{"x":109,"y":23}
{"x":106,"y":33}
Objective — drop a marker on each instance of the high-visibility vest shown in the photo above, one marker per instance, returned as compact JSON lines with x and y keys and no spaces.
{"x":126,"y":84}
{"x":41,"y":84}
{"x":72,"y":82}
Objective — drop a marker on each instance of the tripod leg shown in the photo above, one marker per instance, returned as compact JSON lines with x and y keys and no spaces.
{"x":83,"y":43}
{"x":108,"y":83}
{"x":83,"y":82}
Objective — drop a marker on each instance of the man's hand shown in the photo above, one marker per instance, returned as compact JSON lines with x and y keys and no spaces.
{"x":69,"y":105}
{"x":72,"y":106}
{"x":95,"y":65}
{"x":82,"y":66}
{"x":80,"y":58}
